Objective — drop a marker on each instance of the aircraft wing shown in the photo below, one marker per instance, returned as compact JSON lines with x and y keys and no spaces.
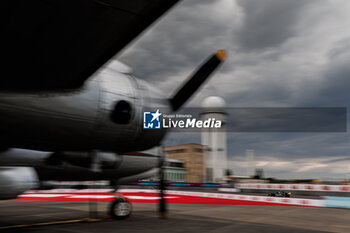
{"x":55,"y":44}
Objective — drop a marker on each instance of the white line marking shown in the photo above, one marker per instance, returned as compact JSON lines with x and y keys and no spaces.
{"x":43,"y":195}
{"x":91,"y":196}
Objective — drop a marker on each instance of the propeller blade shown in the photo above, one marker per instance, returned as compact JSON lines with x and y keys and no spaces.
{"x":197,"y":79}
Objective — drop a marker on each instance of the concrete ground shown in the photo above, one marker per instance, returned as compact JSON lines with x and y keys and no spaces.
{"x":19,"y":216}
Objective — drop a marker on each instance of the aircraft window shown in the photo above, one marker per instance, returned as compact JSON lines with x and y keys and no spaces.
{"x":121,"y":113}
{"x":197,"y":150}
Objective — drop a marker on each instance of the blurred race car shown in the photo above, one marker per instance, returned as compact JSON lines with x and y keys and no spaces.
{"x":280,"y":194}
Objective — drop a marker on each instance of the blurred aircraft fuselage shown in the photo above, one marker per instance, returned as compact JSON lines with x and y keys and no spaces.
{"x":105,"y":114}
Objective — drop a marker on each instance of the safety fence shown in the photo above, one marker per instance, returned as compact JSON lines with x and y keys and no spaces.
{"x":187,"y":197}
{"x":298,"y":187}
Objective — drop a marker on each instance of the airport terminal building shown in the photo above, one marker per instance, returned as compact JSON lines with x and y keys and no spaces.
{"x":193,"y":157}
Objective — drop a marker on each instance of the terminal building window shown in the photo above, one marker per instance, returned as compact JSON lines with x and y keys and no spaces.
{"x":176,"y":151}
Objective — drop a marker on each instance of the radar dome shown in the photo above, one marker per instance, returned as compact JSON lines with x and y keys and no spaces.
{"x":214,"y":102}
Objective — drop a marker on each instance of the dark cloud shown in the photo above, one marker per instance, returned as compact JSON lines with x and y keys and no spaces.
{"x":268,"y":23}
{"x":179,"y":42}
{"x":291,"y":53}
{"x":334,"y":88}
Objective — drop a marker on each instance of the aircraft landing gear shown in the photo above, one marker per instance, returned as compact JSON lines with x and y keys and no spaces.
{"x":120,"y":208}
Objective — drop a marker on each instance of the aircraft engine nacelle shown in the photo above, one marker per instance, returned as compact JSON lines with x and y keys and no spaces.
{"x":71,"y":166}
{"x":123,"y":101}
{"x":84,"y":159}
{"x":106,"y":114}
{"x":16,"y":180}
{"x":74,"y":166}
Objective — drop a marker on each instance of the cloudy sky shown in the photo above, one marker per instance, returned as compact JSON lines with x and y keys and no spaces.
{"x":290,"y":53}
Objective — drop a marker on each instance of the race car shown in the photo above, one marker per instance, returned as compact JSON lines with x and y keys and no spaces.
{"x":280,"y":194}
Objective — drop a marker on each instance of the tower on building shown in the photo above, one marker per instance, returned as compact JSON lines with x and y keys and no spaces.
{"x":215,"y":139}
{"x":250,"y":157}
